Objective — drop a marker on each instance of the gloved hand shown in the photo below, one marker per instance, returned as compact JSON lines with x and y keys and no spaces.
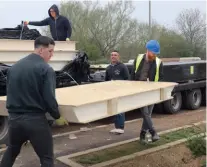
{"x":26,"y":23}
{"x":67,"y":39}
{"x":61,"y":121}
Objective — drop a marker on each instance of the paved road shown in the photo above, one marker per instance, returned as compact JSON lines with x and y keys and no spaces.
{"x":101,"y":136}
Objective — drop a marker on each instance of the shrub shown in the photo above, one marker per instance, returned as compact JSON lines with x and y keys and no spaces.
{"x":197,"y":145}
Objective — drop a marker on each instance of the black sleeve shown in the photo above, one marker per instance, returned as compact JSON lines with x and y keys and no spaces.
{"x":68,"y":28}
{"x":44,"y":22}
{"x":161,"y":74}
{"x":49,"y":93}
{"x":133,"y":69}
{"x":126,"y":75}
{"x":107,"y":75}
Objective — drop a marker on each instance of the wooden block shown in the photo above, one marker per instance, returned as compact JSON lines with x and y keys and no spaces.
{"x":112,"y":106}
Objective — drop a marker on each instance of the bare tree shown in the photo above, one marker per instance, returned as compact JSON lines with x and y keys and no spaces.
{"x":191,"y":23}
{"x":104,"y":26}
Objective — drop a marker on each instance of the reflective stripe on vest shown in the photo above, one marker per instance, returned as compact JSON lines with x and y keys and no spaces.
{"x":158,"y":61}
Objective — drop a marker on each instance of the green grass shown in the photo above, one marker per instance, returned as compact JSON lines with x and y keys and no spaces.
{"x":197,"y":145}
{"x":132,"y":147}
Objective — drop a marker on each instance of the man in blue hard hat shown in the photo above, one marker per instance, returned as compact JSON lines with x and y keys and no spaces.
{"x":148,"y":67}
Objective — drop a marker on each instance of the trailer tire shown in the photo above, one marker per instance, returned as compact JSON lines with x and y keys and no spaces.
{"x":4,"y":129}
{"x":173,"y":106}
{"x":193,"y":99}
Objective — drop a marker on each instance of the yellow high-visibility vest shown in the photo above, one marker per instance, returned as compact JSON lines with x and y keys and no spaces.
{"x":158,"y":62}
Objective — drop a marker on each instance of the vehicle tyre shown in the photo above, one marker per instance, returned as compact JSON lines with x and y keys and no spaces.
{"x":173,"y":106}
{"x":4,"y":130}
{"x":192,"y":99}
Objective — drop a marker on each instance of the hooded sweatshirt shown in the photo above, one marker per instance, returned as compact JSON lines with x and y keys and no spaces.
{"x":117,"y":71}
{"x":60,"y":28}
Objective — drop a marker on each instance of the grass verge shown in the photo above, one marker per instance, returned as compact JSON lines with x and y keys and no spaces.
{"x":133,"y":147}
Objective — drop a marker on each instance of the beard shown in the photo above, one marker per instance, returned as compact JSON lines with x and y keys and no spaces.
{"x":151,"y":57}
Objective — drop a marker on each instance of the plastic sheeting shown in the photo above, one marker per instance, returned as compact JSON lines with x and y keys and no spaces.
{"x":19,"y":32}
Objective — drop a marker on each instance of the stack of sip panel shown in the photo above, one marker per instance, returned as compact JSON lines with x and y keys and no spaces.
{"x":12,"y":50}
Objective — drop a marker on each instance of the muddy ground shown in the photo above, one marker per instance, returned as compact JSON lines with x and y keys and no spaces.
{"x":177,"y":156}
{"x":101,"y":136}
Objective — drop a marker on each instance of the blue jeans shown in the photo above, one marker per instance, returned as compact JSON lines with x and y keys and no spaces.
{"x":119,"y":121}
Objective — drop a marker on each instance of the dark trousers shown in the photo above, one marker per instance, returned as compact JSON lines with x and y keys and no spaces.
{"x":32,"y":127}
{"x":119,"y":121}
{"x":147,"y":123}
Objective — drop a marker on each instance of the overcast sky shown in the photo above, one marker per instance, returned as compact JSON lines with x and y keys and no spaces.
{"x":164,"y":12}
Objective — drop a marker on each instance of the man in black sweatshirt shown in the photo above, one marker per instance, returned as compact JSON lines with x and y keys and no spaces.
{"x":60,"y":26}
{"x":31,"y":87}
{"x":117,"y":71}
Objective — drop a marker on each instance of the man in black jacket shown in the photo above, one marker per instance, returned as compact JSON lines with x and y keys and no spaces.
{"x":60,"y":26}
{"x":31,"y":87}
{"x":148,"y":67}
{"x":117,"y":71}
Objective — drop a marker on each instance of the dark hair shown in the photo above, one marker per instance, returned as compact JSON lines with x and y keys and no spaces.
{"x":115,"y":51}
{"x":43,"y":41}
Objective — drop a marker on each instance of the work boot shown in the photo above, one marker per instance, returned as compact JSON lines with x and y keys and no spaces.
{"x":155,"y":136}
{"x":142,"y":137}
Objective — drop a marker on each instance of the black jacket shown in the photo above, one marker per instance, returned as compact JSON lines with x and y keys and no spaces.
{"x":152,"y":70}
{"x":117,"y":72}
{"x":60,"y":28}
{"x":31,"y":87}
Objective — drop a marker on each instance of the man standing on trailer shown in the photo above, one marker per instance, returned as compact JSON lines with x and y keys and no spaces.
{"x":60,"y":26}
{"x":30,"y":94}
{"x":117,"y":71}
{"x":148,"y":67}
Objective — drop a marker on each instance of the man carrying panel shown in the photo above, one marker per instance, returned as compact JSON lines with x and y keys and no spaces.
{"x":31,"y":87}
{"x":148,"y":67}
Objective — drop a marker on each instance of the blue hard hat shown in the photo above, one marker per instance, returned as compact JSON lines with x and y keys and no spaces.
{"x":153,"y":46}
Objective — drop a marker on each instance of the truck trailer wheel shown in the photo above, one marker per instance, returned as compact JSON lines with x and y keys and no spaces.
{"x":3,"y":130}
{"x":192,"y":99}
{"x":173,"y":106}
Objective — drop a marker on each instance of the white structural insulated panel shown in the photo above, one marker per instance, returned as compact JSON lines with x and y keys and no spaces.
{"x":91,"y":102}
{"x":13,"y":50}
